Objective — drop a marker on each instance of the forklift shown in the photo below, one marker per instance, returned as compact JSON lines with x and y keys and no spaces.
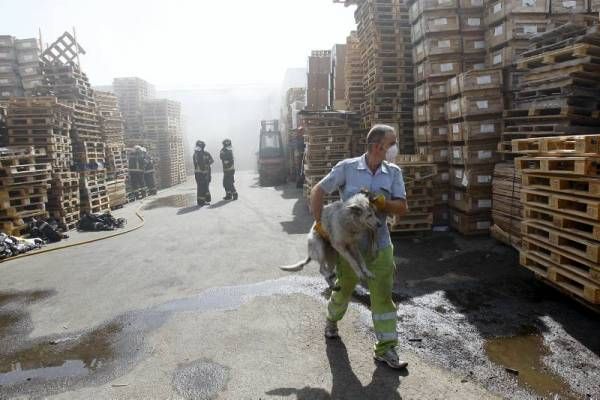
{"x":271,"y":157}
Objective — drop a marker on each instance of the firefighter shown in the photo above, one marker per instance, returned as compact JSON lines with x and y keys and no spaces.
{"x":228,"y":171}
{"x":202,"y":163}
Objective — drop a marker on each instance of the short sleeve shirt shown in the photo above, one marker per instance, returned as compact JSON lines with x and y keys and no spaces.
{"x":352,"y":175}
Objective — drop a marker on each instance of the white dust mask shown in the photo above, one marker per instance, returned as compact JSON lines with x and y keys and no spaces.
{"x":392,"y":153}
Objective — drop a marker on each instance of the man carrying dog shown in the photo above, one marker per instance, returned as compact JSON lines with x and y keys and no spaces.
{"x":202,"y":163}
{"x":374,"y":172}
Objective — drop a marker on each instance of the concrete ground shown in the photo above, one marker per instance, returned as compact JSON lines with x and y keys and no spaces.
{"x":193,"y":306}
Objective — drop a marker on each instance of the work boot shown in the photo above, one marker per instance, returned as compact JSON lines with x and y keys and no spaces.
{"x":331,"y":330}
{"x":391,"y":358}
{"x":228,"y":196}
{"x":235,"y":196}
{"x":201,"y":203}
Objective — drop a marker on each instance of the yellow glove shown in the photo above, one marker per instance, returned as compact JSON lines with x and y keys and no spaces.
{"x":379,"y":202}
{"x":321,"y":231}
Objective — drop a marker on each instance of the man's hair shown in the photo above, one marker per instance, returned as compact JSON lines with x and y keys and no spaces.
{"x":377,"y":133}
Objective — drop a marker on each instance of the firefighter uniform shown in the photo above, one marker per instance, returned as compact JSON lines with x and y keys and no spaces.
{"x":202,"y":163}
{"x":228,"y":171}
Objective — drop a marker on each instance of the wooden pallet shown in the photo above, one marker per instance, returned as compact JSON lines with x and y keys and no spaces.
{"x":587,"y":187}
{"x":567,"y":280}
{"x":583,"y":248}
{"x":560,"y":145}
{"x":560,"y":55}
{"x":567,"y":223}
{"x":563,"y":259}
{"x":572,"y":205}
{"x":584,"y":166}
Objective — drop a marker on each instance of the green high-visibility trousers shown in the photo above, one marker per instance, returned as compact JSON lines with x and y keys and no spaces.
{"x":383,"y":309}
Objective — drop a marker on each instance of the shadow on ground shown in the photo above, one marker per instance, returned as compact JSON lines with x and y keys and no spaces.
{"x":384,"y":383}
{"x":302,"y":220}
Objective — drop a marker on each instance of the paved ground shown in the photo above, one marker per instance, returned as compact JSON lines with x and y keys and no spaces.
{"x":193,"y":306}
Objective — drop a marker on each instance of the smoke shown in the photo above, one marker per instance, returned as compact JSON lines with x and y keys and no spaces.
{"x":212,"y":114}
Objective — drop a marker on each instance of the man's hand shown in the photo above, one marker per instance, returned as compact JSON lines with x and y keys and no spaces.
{"x":378,"y":202}
{"x":321,"y":231}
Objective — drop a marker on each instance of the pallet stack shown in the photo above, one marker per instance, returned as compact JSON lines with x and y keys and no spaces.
{"x":45,"y":123}
{"x":111,"y":123}
{"x":507,"y":209}
{"x":354,"y":92}
{"x":327,"y":137}
{"x":510,"y":25}
{"x":20,"y":68}
{"x":337,"y":78}
{"x":72,"y":86}
{"x":317,"y":80}
{"x":561,"y":199}
{"x":23,"y":188}
{"x":384,"y":34}
{"x":474,"y":112}
{"x":132,"y":93}
{"x":3,"y":133}
{"x":162,"y":134}
{"x":559,"y":93}
{"x":418,"y":174}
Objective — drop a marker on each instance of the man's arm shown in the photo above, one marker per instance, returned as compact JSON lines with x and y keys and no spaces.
{"x":332,"y":182}
{"x":396,"y":207}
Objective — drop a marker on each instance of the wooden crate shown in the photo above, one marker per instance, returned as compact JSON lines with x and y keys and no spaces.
{"x":474,"y":154}
{"x":496,"y":11}
{"x":472,"y":177}
{"x":438,"y":68}
{"x":475,"y":81}
{"x":516,"y":27}
{"x":471,"y":201}
{"x":477,"y":224}
{"x":473,"y":131}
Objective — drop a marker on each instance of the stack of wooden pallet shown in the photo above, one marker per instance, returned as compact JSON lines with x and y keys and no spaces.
{"x":561,"y":198}
{"x":418,"y":176}
{"x":507,"y":209}
{"x":71,"y":85}
{"x":474,"y":112}
{"x":388,"y":82}
{"x":45,"y":123}
{"x":354,"y":91}
{"x":510,"y":24}
{"x":559,"y":93}
{"x":23,"y":188}
{"x":327,"y":137}
{"x":3,"y":133}
{"x":317,"y":80}
{"x":164,"y":140}
{"x":111,"y":123}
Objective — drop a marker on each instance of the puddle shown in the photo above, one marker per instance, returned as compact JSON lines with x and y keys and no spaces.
{"x":524,"y":353}
{"x":202,"y":380}
{"x":175,"y":201}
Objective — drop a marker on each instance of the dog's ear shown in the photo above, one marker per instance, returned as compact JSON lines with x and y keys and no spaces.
{"x":355,"y":209}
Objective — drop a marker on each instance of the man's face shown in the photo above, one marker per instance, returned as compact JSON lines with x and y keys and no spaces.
{"x":388,"y":141}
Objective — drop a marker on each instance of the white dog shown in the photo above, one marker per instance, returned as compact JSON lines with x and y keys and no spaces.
{"x":345,"y":223}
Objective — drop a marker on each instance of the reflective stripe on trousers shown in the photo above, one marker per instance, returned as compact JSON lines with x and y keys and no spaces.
{"x":383,"y":308}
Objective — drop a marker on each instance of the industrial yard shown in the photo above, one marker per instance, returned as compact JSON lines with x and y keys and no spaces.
{"x":144,"y":216}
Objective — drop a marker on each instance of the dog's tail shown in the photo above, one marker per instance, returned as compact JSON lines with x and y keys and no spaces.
{"x":296,"y":267}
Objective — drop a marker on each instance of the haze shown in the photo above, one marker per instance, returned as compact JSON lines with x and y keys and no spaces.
{"x":225,"y":60}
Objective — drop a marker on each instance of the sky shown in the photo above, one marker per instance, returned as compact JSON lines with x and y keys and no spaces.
{"x":186,"y":43}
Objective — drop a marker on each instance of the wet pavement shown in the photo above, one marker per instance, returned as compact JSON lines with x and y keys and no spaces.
{"x":187,"y":316}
